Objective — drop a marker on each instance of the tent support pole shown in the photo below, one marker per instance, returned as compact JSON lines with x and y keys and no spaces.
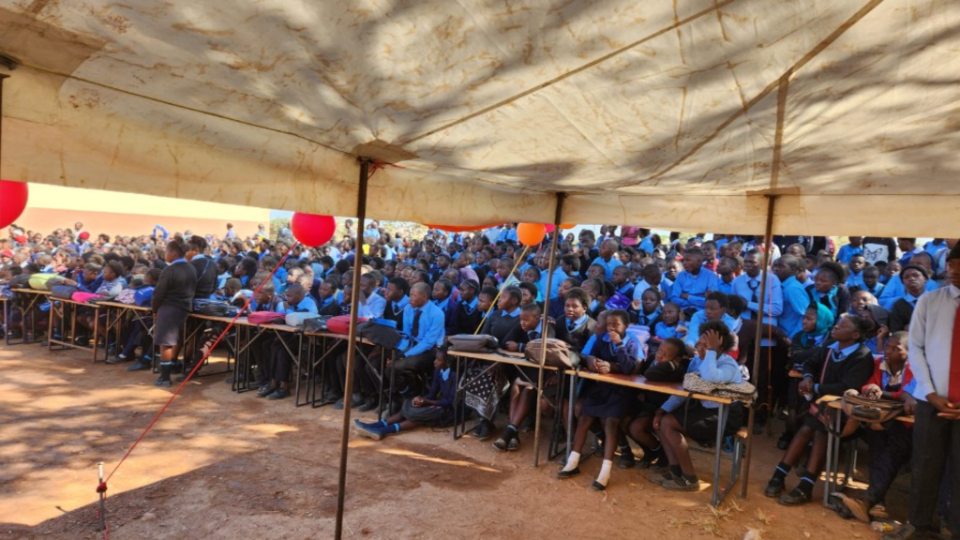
{"x":352,"y":344}
{"x":2,"y":77}
{"x":767,"y":245}
{"x":543,"y":326}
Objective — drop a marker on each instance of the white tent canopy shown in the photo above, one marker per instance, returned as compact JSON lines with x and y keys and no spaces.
{"x":672,"y":115}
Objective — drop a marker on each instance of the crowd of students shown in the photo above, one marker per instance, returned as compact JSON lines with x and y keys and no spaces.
{"x":627,"y":300}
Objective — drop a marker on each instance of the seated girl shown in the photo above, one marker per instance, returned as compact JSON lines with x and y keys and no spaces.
{"x":614,"y":352}
{"x":676,"y":421}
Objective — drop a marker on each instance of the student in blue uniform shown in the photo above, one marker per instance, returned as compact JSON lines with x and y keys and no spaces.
{"x":828,"y":288}
{"x":727,"y":270}
{"x":848,"y":251}
{"x":614,"y":352}
{"x":576,"y":327}
{"x":676,"y":421}
{"x":280,"y":360}
{"x":443,"y":298}
{"x":608,"y":259}
{"x":646,"y":311}
{"x":621,"y":282}
{"x":690,"y":289}
{"x":469,"y":315}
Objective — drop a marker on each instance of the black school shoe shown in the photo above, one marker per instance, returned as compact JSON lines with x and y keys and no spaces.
{"x":795,"y":498}
{"x":626,"y":460}
{"x":280,"y":393}
{"x":369,"y":404}
{"x":266,"y":390}
{"x":563,"y":475}
{"x":679,"y":483}
{"x":774,"y":488}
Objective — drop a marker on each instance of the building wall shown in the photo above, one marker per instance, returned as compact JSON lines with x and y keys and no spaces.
{"x":51,"y":207}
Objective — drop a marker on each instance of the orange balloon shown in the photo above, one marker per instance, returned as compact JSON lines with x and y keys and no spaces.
{"x":531,"y":234}
{"x":567,"y":226}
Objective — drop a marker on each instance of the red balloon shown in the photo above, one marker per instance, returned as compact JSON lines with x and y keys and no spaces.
{"x":531,"y":234}
{"x":550,"y":227}
{"x":13,"y":199}
{"x":312,"y":230}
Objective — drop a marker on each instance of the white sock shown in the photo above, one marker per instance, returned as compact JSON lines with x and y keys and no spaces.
{"x":573,"y":461}
{"x":604,"y":475}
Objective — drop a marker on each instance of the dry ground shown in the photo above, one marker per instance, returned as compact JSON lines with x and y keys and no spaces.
{"x":224,"y":466}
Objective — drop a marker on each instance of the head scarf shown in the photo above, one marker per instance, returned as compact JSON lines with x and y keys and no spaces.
{"x":825,"y":320}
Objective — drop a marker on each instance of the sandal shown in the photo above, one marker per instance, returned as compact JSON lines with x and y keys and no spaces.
{"x":513,"y":445}
{"x":501,"y":444}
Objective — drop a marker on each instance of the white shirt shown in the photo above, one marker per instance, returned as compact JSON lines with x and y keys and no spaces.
{"x":931,"y":340}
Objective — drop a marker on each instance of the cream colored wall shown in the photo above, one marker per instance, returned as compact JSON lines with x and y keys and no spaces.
{"x":91,"y":200}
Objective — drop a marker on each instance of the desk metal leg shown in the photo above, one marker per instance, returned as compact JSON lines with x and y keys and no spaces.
{"x":570,"y":403}
{"x":718,"y":453}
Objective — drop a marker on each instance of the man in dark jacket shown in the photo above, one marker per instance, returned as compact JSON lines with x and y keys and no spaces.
{"x":172,"y":302}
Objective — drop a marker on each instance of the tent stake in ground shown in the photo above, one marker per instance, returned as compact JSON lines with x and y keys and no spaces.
{"x":351,"y":341}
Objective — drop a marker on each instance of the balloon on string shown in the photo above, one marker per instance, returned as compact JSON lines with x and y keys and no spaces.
{"x":531,"y":234}
{"x":566,"y":226}
{"x":13,"y":200}
{"x":549,"y":227}
{"x":312,"y":230}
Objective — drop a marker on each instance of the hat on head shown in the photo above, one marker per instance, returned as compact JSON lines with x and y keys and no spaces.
{"x":923,"y":271}
{"x":21,"y":239}
{"x":954,"y":253}
{"x":84,"y":235}
{"x":6,"y":253}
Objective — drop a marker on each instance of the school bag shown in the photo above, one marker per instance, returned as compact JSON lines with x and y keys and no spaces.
{"x":297,"y":319}
{"x":40,"y":282}
{"x":872,"y":412}
{"x":316,"y":325}
{"x":559,"y":353}
{"x":743,"y":392}
{"x":20,"y":282}
{"x":126,"y":296}
{"x":83,"y":297}
{"x":341,"y":324}
{"x":380,"y":334}
{"x":63,"y":292}
{"x":265,"y":317}
{"x":473,"y":343}
{"x":216,"y":309}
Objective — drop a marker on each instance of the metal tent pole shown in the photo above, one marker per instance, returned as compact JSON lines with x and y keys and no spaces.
{"x":351,"y":343}
{"x":767,"y":244}
{"x":543,"y":326}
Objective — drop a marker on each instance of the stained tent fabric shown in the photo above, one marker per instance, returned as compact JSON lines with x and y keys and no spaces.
{"x":675,"y":115}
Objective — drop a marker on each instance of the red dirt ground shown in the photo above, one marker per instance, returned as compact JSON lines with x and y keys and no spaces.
{"x":224,"y":466}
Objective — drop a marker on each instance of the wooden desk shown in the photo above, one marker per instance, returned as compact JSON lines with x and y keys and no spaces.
{"x":123,"y":311}
{"x":329,"y":343}
{"x":58,"y":308}
{"x":832,"y":466}
{"x":672,"y":389}
{"x":501,"y":357}
{"x":29,"y":299}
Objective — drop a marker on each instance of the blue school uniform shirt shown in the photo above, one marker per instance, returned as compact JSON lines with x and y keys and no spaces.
{"x":876,"y":291}
{"x":700,"y":317}
{"x":712,"y":368}
{"x":666,"y":331}
{"x":894,"y":291}
{"x":854,"y":279}
{"x":848,"y":252}
{"x":724,"y":287}
{"x":795,"y":304}
{"x":627,"y":290}
{"x":430,"y":333}
{"x":646,"y":245}
{"x":628,"y":343}
{"x":608,"y":266}
{"x":558,"y":276}
{"x":905,"y":259}
{"x":933,"y":249}
{"x":375,"y":305}
{"x":696,"y":286}
{"x":647,"y":319}
{"x":307,"y":305}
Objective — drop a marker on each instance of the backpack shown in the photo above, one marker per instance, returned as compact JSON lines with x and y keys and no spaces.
{"x":126,"y":296}
{"x":559,"y":354}
{"x":873,"y":412}
{"x":379,"y":334}
{"x":41,"y":282}
{"x":265,"y":317}
{"x":473,"y":343}
{"x":81,"y":297}
{"x":63,"y":292}
{"x":743,"y":392}
{"x":297,"y":319}
{"x":316,"y":325}
{"x":341,"y":324}
{"x":20,"y":282}
{"x":213,"y":309}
